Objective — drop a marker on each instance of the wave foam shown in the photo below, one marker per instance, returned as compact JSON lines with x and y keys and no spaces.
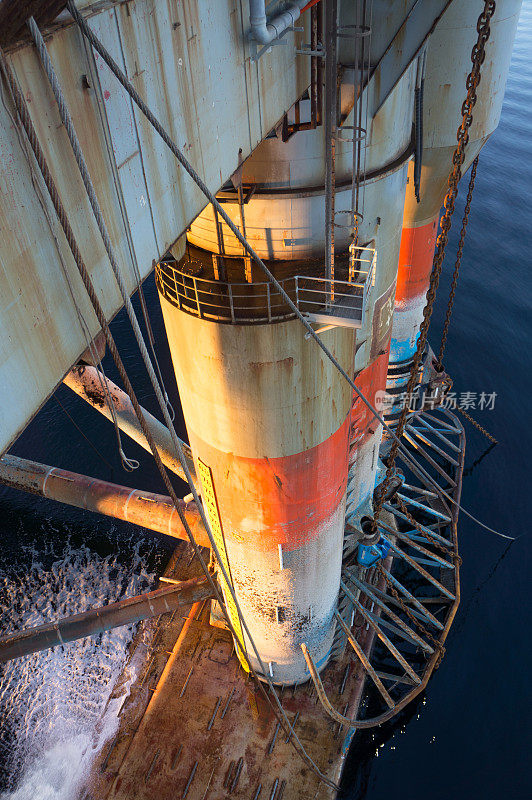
{"x":55,"y":713}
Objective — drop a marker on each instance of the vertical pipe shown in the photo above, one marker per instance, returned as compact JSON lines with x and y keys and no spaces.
{"x":330,"y":132}
{"x":314,"y":67}
{"x":319,"y":92}
{"x":221,"y":245}
{"x":358,"y":124}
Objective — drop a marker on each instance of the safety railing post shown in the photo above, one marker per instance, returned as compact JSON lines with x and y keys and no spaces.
{"x":176,"y":290}
{"x":197,"y":298}
{"x":231,"y":304}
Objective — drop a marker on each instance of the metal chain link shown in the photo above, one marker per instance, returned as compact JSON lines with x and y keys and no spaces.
{"x":477,"y":425}
{"x":473,"y":79}
{"x":457,"y":263}
{"x":413,"y":619}
{"x":437,"y":545}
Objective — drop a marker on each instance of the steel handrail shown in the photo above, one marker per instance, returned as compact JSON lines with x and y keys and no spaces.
{"x":233,"y":302}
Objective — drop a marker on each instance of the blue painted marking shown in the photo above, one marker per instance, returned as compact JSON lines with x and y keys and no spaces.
{"x":401,"y":350}
{"x":367,"y":555}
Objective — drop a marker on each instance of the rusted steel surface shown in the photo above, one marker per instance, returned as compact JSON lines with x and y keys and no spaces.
{"x":191,"y":62}
{"x":86,"y":382}
{"x":207,"y":730}
{"x":448,"y":63}
{"x":378,"y":584}
{"x":97,"y":620}
{"x":276,"y":450}
{"x":447,"y":66}
{"x":14,"y":13}
{"x":416,"y":28}
{"x":204,"y":711}
{"x":153,"y":511}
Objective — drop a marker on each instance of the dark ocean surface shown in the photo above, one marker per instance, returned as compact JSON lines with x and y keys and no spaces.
{"x":469,"y":737}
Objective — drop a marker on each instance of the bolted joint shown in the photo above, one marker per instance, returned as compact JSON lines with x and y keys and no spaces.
{"x":369,"y":554}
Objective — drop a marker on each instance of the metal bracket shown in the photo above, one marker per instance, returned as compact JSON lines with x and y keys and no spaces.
{"x":268,"y":47}
{"x":307,"y":51}
{"x":359,"y":134}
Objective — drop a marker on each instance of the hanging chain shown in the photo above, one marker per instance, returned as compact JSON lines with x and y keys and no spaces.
{"x":457,"y":263}
{"x":437,"y":545}
{"x":452,"y":293}
{"x":478,"y":55}
{"x":412,"y":617}
{"x":477,"y":425}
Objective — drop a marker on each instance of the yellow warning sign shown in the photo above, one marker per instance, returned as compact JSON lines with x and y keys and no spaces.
{"x":210,"y":502}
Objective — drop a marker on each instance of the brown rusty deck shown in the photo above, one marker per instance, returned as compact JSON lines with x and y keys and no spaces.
{"x":196,"y":726}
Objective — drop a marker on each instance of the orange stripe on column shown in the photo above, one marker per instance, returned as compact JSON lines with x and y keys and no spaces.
{"x":267,"y":502}
{"x":415,"y":262}
{"x":370,"y":380}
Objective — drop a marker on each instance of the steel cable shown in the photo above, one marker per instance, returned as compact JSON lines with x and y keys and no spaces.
{"x":130,"y":89}
{"x":22,"y":110}
{"x":458,"y":261}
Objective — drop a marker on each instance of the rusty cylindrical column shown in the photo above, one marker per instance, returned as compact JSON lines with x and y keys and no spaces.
{"x":271,"y":425}
{"x":448,"y":62}
{"x":268,"y":421}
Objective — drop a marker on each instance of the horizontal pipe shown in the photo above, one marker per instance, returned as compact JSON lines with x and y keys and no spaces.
{"x":153,"y":511}
{"x":97,"y":620}
{"x":86,"y":382}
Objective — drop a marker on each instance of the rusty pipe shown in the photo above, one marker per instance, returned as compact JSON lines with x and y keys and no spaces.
{"x":153,"y":511}
{"x":86,"y":382}
{"x":96,"y":620}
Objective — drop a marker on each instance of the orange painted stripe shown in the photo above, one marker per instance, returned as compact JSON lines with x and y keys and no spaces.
{"x":370,"y":380}
{"x":415,"y":261}
{"x":267,"y":502}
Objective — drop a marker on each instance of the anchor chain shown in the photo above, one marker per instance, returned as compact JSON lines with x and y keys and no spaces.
{"x":477,"y":425}
{"x":478,"y":55}
{"x":457,"y":263}
{"x":413,"y":619}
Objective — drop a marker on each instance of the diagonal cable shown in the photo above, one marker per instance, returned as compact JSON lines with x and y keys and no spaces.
{"x":130,"y":89}
{"x":22,"y":110}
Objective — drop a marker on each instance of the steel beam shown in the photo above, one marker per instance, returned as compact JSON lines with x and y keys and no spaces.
{"x":97,"y":620}
{"x":87,"y":382}
{"x":153,"y":511}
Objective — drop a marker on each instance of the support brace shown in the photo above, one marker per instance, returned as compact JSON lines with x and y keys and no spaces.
{"x":153,"y":511}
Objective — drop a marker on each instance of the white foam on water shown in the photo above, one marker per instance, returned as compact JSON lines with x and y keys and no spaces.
{"x":55,"y":713}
